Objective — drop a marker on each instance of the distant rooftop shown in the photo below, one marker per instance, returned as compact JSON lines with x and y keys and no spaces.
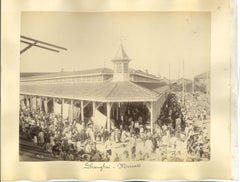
{"x":67,"y":73}
{"x":202,"y":76}
{"x":31,"y":74}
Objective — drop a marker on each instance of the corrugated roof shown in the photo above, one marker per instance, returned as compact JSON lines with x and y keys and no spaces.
{"x":71,"y":73}
{"x":160,"y":87}
{"x":30,"y":76}
{"x":108,"y":91}
{"x":127,"y":90}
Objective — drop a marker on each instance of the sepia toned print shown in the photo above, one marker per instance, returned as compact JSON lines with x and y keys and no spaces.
{"x":103,"y":87}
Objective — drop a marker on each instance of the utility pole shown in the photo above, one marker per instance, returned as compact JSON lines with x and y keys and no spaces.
{"x":208,"y":86}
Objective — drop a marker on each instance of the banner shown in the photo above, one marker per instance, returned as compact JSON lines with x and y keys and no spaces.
{"x":99,"y":119}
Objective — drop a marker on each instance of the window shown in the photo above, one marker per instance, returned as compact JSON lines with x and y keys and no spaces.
{"x":125,"y":67}
{"x":118,"y":67}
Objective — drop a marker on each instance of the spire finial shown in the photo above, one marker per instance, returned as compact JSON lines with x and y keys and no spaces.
{"x":122,"y":39}
{"x":121,"y":54}
{"x":121,"y":61}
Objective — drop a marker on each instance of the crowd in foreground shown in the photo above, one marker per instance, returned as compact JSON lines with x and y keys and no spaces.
{"x":181,"y":133}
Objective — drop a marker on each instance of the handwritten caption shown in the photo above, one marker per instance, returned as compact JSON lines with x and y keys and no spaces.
{"x":104,"y":166}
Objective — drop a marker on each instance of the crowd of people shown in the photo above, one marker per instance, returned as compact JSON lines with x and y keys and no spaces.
{"x":64,"y":140}
{"x":184,"y":126}
{"x":177,"y":134}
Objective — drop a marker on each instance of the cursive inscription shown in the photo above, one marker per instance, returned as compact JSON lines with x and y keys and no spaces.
{"x":103,"y":166}
{"x":96,"y":166}
{"x":127,"y":165}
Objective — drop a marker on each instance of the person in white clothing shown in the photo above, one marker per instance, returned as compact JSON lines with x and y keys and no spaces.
{"x":108,"y":147}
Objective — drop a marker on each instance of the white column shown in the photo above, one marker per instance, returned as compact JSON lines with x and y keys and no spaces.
{"x":27,"y":101}
{"x":94,"y":110}
{"x":108,"y":116}
{"x":46,"y":105}
{"x":40,"y":103}
{"x":53,"y":105}
{"x":24,"y":100}
{"x":31,"y":102}
{"x":117,"y":111}
{"x":36,"y":102}
{"x":82,"y":109}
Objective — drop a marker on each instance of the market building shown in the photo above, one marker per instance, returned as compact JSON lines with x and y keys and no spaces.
{"x":97,"y":92}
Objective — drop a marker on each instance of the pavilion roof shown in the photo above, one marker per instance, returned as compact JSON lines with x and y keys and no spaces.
{"x":108,"y":91}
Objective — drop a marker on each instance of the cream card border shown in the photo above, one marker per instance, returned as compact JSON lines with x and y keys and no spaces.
{"x":220,"y":164}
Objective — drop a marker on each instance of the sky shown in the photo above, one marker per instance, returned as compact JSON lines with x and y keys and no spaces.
{"x":157,"y":42}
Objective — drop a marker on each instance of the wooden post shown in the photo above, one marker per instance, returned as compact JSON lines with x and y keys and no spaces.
{"x":40,"y":102}
{"x":45,"y":99}
{"x":113,"y":109}
{"x":24,"y":100}
{"x":27,"y":102}
{"x":71,"y":112}
{"x":36,"y":102}
{"x":108,"y":116}
{"x":30,"y":101}
{"x":82,"y":109}
{"x":46,"y":108}
{"x":117,"y":111}
{"x":94,"y":110}
{"x":53,"y":105}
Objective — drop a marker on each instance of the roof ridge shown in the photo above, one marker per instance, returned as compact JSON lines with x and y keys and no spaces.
{"x":115,"y":85}
{"x":145,"y":89}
